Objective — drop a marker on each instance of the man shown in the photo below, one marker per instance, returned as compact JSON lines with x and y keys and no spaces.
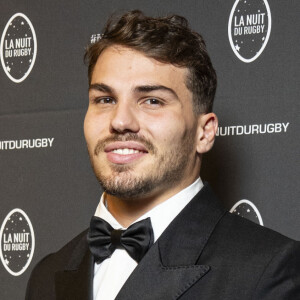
{"x":150,"y":119}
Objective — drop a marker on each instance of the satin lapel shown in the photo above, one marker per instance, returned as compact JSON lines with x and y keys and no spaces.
{"x":185,"y":238}
{"x":170,"y":266}
{"x":76,"y":281}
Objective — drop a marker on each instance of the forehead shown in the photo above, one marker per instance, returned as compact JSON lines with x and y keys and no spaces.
{"x":125,"y":64}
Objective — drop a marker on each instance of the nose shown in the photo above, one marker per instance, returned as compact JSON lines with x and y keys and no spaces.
{"x":124,"y":118}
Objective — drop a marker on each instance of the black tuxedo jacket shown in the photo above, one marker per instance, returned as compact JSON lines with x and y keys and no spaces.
{"x":205,"y":253}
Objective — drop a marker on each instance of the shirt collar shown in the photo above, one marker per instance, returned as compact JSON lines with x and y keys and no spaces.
{"x":162,"y":214}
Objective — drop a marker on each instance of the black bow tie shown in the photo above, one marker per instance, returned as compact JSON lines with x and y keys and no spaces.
{"x":104,"y":239}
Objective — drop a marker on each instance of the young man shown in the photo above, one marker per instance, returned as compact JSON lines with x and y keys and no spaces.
{"x":151,"y":89}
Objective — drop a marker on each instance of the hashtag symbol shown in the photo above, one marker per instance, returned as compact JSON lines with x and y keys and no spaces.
{"x":93,"y":38}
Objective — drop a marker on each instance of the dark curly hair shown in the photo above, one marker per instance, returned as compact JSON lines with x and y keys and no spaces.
{"x":168,"y":40}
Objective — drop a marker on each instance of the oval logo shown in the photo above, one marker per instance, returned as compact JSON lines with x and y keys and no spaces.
{"x":246,"y":209}
{"x":17,"y":242}
{"x":18,"y":48}
{"x":249,"y":28}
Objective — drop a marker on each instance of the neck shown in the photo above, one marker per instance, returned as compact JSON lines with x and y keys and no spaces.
{"x":126,"y":211}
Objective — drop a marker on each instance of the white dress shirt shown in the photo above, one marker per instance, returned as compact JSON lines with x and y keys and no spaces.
{"x":112,"y":273}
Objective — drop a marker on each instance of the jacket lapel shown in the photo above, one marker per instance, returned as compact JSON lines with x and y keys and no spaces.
{"x":75,"y":282}
{"x":170,"y":266}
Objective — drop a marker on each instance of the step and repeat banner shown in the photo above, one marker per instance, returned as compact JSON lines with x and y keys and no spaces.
{"x":48,"y":190}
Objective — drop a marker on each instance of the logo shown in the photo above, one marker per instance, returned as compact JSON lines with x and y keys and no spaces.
{"x":26,"y":144}
{"x":248,"y":210}
{"x":249,"y":28}
{"x":17,"y":242}
{"x":18,"y":48}
{"x":250,"y":129}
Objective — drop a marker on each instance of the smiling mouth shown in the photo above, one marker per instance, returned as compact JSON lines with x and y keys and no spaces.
{"x":126,"y":151}
{"x":125,"y":148}
{"x":129,"y":144}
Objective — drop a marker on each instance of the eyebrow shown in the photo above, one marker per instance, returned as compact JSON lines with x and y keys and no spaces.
{"x":101,"y":87}
{"x":151,"y":88}
{"x":139,"y":89}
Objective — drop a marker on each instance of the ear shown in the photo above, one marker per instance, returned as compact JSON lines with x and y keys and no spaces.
{"x":207,"y":129}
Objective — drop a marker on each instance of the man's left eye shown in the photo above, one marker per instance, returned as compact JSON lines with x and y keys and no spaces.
{"x":153,"y":101}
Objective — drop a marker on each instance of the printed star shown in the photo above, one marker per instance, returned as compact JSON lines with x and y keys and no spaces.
{"x":248,"y":210}
{"x":237,"y":47}
{"x":22,"y":23}
{"x":6,"y":261}
{"x":263,"y":38}
{"x":20,"y":219}
{"x":8,"y":69}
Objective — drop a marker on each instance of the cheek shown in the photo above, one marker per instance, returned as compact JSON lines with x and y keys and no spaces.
{"x":90,"y":127}
{"x":86,"y":126}
{"x":166,"y":128}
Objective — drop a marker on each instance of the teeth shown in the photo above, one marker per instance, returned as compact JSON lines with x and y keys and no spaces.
{"x":125,"y":151}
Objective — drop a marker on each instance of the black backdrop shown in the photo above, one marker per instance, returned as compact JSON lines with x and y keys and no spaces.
{"x":255,"y":156}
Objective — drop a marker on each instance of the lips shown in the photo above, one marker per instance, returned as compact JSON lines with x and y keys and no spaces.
{"x":125,"y":152}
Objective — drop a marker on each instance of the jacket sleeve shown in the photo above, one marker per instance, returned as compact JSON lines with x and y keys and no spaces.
{"x":281,"y":277}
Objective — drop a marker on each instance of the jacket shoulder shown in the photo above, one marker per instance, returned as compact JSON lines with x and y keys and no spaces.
{"x":239,"y":241}
{"x":42,"y":278}
{"x":262,"y":263}
{"x":248,"y":232}
{"x":59,"y":259}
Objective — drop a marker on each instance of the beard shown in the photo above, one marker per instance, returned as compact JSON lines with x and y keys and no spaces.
{"x":167,"y":168}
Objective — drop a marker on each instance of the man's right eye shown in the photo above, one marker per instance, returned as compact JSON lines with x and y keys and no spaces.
{"x":105,"y":100}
